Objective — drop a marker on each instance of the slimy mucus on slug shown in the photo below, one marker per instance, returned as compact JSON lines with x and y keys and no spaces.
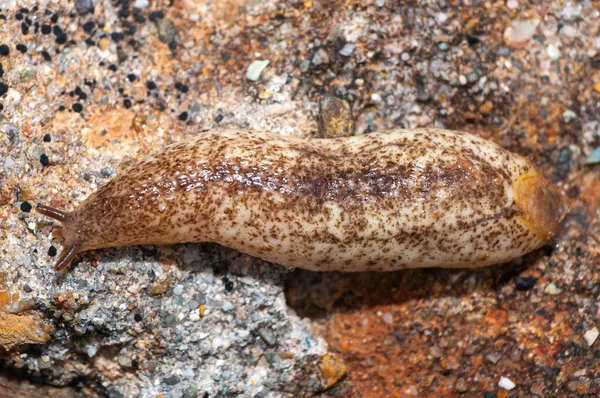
{"x":381,"y":201}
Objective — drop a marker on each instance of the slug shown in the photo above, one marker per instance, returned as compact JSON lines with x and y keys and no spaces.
{"x":375,"y":202}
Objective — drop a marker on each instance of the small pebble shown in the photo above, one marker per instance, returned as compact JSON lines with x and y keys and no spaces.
{"x":304,"y":66}
{"x":199,"y":298}
{"x":519,"y":31}
{"x":52,"y":251}
{"x":171,"y":381}
{"x":347,"y":50}
{"x":124,"y":361}
{"x":594,"y":157}
{"x":525,"y":282}
{"x":141,"y":4}
{"x":553,"y":52}
{"x":268,"y":336}
{"x":590,"y":336}
{"x":84,"y":6}
{"x":569,"y":115}
{"x":552,"y":290}
{"x":255,"y":69}
{"x":506,"y":383}
{"x":170,"y":321}
{"x":320,"y":57}
{"x":178,"y":290}
{"x":167,"y":31}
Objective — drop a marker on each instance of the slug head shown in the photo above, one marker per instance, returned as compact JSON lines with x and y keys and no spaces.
{"x":544,"y":208}
{"x":71,"y":248}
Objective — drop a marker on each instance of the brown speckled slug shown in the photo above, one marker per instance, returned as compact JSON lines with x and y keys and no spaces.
{"x":381,"y":201}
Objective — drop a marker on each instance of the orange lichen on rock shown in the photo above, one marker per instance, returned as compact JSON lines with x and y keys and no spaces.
{"x":17,"y":330}
{"x":332,"y":369}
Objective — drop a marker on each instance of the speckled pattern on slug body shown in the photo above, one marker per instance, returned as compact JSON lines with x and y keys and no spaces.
{"x":383,"y":201}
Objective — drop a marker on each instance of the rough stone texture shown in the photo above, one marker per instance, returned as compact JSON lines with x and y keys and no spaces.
{"x":15,"y":387}
{"x":452,"y":64}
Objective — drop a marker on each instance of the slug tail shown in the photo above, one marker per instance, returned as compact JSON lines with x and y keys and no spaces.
{"x":66,"y":257}
{"x":51,"y":212}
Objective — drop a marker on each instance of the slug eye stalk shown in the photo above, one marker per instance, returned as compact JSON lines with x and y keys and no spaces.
{"x":51,"y":212}
{"x":69,"y":253}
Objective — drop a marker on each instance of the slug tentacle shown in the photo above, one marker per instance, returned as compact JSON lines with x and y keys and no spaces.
{"x":66,"y":257}
{"x":63,"y":232}
{"x":51,"y":212}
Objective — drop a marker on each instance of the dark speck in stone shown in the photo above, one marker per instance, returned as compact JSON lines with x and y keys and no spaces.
{"x":4,"y":50}
{"x":525,"y":282}
{"x":183,"y":116}
{"x":171,"y":381}
{"x":44,"y":160}
{"x":89,"y":26}
{"x":26,"y":207}
{"x":52,"y":251}
{"x":61,"y":39}
{"x":47,"y":138}
{"x":227,"y":283}
{"x":77,"y":107}
{"x":127,"y":103}
{"x":181,"y":87}
{"x":156,"y":15}
{"x":117,"y":36}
